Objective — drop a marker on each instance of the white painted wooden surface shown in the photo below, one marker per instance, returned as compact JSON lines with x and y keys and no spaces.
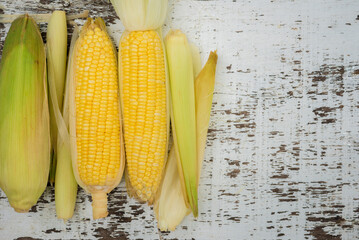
{"x":283,"y":148}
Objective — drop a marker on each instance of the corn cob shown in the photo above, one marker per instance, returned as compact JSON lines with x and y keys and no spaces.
{"x":95,"y":127}
{"x":65,"y":183}
{"x":24,"y":116}
{"x":143,"y":91}
{"x":56,"y":37}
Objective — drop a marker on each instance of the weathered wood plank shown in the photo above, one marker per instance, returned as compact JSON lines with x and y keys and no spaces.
{"x":283,"y":152}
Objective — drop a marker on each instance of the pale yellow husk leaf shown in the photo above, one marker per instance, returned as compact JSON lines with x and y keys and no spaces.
{"x":170,"y":207}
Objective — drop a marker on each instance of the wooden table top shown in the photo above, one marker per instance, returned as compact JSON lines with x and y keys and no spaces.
{"x":282,"y":157}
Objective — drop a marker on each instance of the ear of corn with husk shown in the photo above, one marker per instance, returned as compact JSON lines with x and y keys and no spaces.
{"x":170,"y":206}
{"x":24,"y":116}
{"x":65,"y":183}
{"x":144,"y":95}
{"x":95,"y":126}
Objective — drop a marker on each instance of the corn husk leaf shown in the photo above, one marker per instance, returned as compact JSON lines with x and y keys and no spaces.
{"x":140,"y":15}
{"x":196,"y":60}
{"x":56,"y":67}
{"x":65,"y":183}
{"x":183,"y":112}
{"x":204,"y":89}
{"x":170,"y":207}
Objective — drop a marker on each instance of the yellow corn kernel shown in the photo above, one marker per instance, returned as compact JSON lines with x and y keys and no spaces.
{"x":143,"y":91}
{"x":99,"y":157}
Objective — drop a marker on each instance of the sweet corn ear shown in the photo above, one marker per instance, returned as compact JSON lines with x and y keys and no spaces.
{"x":143,"y":90}
{"x":144,"y":94}
{"x":95,"y":127}
{"x":24,"y":116}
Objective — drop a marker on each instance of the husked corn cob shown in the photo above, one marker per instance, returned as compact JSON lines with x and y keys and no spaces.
{"x":143,"y":91}
{"x":24,"y":116}
{"x":143,"y":95}
{"x":98,"y":157}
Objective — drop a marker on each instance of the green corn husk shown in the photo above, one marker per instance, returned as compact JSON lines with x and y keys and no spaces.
{"x":170,"y":207}
{"x":183,"y":114}
{"x":24,"y":116}
{"x":141,"y":15}
{"x":56,"y":58}
{"x":65,"y":182}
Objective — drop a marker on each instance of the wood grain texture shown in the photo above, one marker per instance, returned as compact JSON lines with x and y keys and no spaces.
{"x":283,"y":146}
